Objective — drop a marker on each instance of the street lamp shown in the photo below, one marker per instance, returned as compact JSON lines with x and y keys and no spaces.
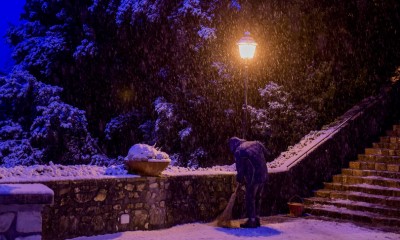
{"x":247,"y":47}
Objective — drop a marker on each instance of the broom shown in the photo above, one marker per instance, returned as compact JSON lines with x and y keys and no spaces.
{"x":225,"y":218}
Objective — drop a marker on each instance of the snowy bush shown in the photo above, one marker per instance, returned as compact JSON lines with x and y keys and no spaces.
{"x":87,"y":48}
{"x":168,"y":126}
{"x":132,"y":9}
{"x":198,"y":156}
{"x":10,"y":130}
{"x":18,"y":152}
{"x":124,"y":130}
{"x":61,"y":130}
{"x":280,"y":121}
{"x":42,"y":51}
{"x":37,"y":127}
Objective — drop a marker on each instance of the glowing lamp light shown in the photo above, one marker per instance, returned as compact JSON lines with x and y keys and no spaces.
{"x":247,"y":46}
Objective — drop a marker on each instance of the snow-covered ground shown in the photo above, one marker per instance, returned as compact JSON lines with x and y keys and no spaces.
{"x":299,"y":229}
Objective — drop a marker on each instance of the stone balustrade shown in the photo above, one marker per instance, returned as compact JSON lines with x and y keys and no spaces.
{"x":21,"y":210}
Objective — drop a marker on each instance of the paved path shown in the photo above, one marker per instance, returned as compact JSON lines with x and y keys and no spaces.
{"x":277,"y":228}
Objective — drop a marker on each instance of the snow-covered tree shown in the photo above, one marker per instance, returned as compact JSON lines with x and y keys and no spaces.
{"x":113,"y":58}
{"x":280,"y":121}
{"x":37,"y":127}
{"x":125,"y":129}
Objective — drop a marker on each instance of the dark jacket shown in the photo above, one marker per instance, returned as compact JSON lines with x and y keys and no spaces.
{"x":250,"y":157}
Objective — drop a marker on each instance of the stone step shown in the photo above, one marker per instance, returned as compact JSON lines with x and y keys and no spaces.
{"x":392,"y":167}
{"x":352,"y":215}
{"x":393,"y":133}
{"x":392,"y":146}
{"x":388,"y":139}
{"x":357,"y":206}
{"x":363,"y":187}
{"x":359,"y":196}
{"x":369,"y":190}
{"x":382,"y":151}
{"x":364,"y":173}
{"x":379,"y":158}
{"x":372,"y":180}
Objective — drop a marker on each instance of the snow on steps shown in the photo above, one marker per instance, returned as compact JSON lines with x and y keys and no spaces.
{"x":353,"y":215}
{"x":366,"y":188}
{"x":369,"y":190}
{"x":373,"y":180}
{"x":359,"y":196}
{"x":357,"y":206}
{"x":365,"y":173}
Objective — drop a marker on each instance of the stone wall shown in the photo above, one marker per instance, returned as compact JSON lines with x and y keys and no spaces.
{"x":21,"y":210}
{"x":98,"y":206}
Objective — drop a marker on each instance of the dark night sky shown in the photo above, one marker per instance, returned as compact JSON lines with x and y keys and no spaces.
{"x":10,"y":11}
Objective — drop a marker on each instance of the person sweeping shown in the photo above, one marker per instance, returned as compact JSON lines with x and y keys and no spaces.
{"x":251,"y":167}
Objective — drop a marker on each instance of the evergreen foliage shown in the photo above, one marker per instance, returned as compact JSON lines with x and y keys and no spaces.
{"x":168,"y":73}
{"x":36,"y":127}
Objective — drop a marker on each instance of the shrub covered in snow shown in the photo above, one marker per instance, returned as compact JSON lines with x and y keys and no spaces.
{"x":37,"y":127}
{"x":280,"y":121}
{"x":125,"y":129}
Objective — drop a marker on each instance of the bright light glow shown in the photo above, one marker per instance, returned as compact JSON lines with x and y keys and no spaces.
{"x":247,"y":46}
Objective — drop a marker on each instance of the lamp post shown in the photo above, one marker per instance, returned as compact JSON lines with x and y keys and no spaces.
{"x":247,"y":47}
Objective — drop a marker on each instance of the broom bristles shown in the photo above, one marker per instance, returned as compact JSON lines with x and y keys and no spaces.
{"x":224,"y":219}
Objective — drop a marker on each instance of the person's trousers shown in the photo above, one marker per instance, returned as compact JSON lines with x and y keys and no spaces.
{"x":253,"y":199}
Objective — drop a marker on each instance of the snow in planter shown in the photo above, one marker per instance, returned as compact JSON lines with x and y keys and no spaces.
{"x":144,"y":152}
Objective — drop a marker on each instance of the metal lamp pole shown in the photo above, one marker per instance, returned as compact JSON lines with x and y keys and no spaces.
{"x":246,"y":80}
{"x":247,"y":48}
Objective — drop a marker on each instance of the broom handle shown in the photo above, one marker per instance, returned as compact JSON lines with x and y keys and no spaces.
{"x":237,"y":187}
{"x":235,"y":192}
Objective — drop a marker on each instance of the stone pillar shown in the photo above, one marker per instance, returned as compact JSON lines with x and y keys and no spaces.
{"x":21,"y":210}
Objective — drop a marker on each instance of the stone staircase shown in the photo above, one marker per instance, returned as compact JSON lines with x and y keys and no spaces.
{"x":368,"y":191}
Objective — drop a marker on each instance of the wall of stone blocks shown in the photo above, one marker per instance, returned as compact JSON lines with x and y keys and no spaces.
{"x":99,"y":206}
{"x":20,"y":221}
{"x":21,"y":210}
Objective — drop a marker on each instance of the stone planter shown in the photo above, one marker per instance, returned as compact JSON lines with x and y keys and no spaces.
{"x":147,"y":168}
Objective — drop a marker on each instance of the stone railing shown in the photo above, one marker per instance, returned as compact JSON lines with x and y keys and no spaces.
{"x":108,"y":205}
{"x":21,"y":210}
